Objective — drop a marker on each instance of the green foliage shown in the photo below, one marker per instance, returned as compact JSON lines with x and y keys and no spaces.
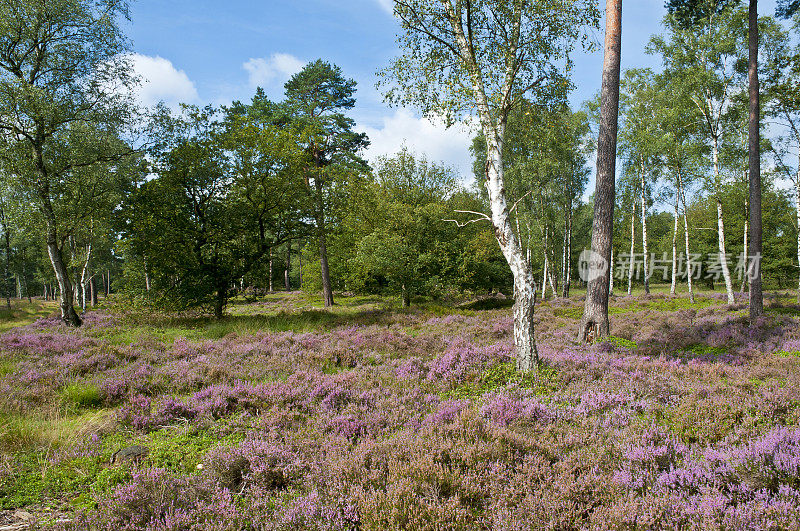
{"x":226,"y":192}
{"x":619,"y":342}
{"x":82,"y":395}
{"x":543,"y":381}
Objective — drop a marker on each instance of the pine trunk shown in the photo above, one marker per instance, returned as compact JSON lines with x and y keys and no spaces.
{"x":754,"y":266}
{"x":594,"y":322}
{"x":327,"y":289}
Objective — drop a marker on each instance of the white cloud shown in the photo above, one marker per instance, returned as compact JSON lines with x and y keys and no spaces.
{"x":161,"y":81}
{"x":387,"y":5}
{"x":264,"y":72}
{"x":439,"y":144}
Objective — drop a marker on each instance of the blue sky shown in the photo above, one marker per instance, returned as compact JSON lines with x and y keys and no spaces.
{"x":202,"y":51}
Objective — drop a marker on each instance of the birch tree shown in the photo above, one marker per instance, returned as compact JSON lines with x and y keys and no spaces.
{"x":700,"y":59}
{"x":62,"y":68}
{"x":481,"y":58}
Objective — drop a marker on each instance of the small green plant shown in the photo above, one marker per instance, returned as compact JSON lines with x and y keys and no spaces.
{"x":619,"y":342}
{"x":82,"y":395}
{"x":7,"y":367}
{"x":701,"y":350}
{"x":543,"y":381}
{"x":787,"y":354}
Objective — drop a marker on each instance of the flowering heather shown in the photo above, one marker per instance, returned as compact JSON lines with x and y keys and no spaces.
{"x":687,"y":417}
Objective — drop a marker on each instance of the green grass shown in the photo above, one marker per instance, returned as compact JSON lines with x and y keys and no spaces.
{"x":701,"y":350}
{"x":23,"y":313}
{"x":82,"y":480}
{"x":543,"y":381}
{"x":82,"y":395}
{"x":619,"y":342}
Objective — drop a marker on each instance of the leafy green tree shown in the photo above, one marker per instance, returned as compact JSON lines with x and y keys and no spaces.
{"x":702,"y":63}
{"x":640,"y":141}
{"x":315,"y":99}
{"x":62,"y":65}
{"x":407,"y":231}
{"x":226,"y":191}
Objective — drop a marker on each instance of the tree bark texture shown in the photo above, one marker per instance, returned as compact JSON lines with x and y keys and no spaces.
{"x":756,"y":295}
{"x":594,"y":322}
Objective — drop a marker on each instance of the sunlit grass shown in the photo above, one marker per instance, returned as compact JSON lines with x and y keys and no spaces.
{"x":23,"y":313}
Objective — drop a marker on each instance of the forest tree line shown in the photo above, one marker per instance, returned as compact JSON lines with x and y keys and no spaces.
{"x":186,"y":210}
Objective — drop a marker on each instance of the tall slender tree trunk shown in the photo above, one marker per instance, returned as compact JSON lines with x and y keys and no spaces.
{"x":146,"y":274}
{"x":219,"y":302}
{"x":754,"y":267}
{"x":674,"y":283}
{"x":546,"y":265}
{"x":632,"y":256}
{"x":327,"y":289}
{"x":645,"y":262}
{"x":723,"y":257}
{"x":611,"y":275}
{"x":797,"y":213}
{"x":270,"y":273}
{"x":7,"y":261}
{"x":567,"y":281}
{"x":93,"y":290}
{"x":84,"y":277}
{"x":745,"y":241}
{"x":287,"y":270}
{"x":68,"y":313}
{"x":7,"y":268}
{"x":686,"y":238}
{"x":527,"y":356}
{"x":594,"y":322}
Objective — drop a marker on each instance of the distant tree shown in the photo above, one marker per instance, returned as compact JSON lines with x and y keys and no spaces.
{"x":702,"y":63}
{"x":224,"y":194}
{"x":641,"y":138}
{"x":405,"y":214}
{"x":315,"y":99}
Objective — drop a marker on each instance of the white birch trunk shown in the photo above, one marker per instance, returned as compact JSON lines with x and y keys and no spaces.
{"x":633,"y":242}
{"x":797,"y":210}
{"x":527,"y":356}
{"x":674,"y":283}
{"x":723,"y":257}
{"x":84,"y":278}
{"x":611,"y":275}
{"x":645,"y":262}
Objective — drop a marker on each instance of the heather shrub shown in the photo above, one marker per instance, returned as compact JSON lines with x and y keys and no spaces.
{"x":357,"y":418}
